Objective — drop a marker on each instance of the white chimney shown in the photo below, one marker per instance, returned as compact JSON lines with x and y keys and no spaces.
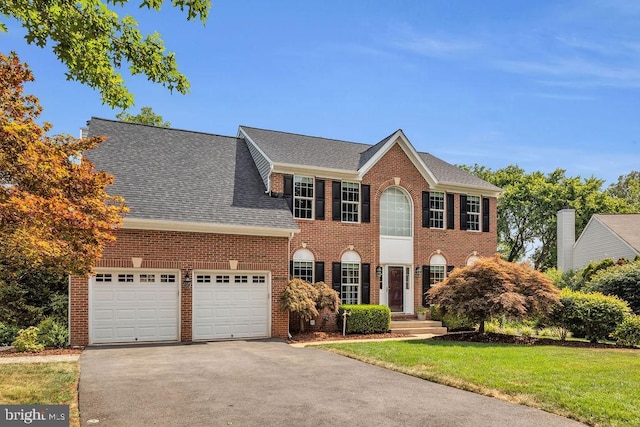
{"x":566,"y":238}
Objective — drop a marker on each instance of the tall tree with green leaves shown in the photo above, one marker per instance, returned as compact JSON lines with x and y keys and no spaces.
{"x":95,"y":42}
{"x":145,"y":117}
{"x":628,"y":189}
{"x":527,"y":209}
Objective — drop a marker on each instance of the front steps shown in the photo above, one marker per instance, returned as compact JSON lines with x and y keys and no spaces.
{"x":412,"y":326}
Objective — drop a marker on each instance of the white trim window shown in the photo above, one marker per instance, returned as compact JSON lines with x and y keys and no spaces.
{"x":350,"y":282}
{"x":395,"y":213}
{"x":303,"y":197}
{"x":303,"y":265}
{"x":436,"y":209}
{"x":350,"y":201}
{"x":437,"y":269}
{"x":473,"y":213}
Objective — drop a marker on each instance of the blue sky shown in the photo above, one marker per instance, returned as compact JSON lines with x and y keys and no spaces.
{"x":541,"y":84}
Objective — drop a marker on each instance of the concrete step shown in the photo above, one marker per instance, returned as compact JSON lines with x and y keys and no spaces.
{"x":411,"y":326}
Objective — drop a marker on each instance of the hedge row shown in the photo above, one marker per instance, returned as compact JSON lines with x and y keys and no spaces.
{"x":365,"y":318}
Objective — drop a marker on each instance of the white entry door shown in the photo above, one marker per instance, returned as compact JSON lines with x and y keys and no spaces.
{"x":140,"y":306}
{"x":231,"y":305}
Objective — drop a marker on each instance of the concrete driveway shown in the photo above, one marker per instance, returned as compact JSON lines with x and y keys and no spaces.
{"x":269,"y":383}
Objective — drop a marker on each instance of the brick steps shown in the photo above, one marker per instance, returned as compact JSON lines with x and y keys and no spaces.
{"x":412,"y":326}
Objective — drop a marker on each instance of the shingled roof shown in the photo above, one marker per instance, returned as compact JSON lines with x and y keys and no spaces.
{"x":183,"y":176}
{"x":295,"y":149}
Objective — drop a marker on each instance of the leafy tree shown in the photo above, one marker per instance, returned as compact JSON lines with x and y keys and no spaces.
{"x":494,"y":287}
{"x":145,"y":117}
{"x":527,"y":209}
{"x":306,"y":299}
{"x":628,"y":189}
{"x":55,"y":213}
{"x":94,"y":42}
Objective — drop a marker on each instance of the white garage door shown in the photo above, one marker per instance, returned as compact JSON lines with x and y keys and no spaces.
{"x":133,"y":307}
{"x":229,"y":306}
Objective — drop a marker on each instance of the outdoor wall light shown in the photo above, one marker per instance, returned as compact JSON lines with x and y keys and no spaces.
{"x":379,"y":272}
{"x":418,"y":271}
{"x":187,"y":280}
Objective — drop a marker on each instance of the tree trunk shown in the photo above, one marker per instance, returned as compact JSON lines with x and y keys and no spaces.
{"x":301,"y":324}
{"x":481,"y":327}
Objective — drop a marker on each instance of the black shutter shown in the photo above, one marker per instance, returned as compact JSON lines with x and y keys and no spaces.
{"x":336,"y":277}
{"x":425,"y":208}
{"x":485,"y":214}
{"x":463,"y":212}
{"x":366,"y":284}
{"x":319,"y":198}
{"x":336,"y":200}
{"x":290,"y":270}
{"x":288,"y":190}
{"x":450,"y":268}
{"x":451,"y":211}
{"x":366,"y":202}
{"x":319,"y":271}
{"x":426,"y":273}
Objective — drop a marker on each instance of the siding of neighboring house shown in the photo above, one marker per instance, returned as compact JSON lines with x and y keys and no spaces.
{"x":264,"y":168}
{"x":598,"y":242}
{"x":187,"y":251}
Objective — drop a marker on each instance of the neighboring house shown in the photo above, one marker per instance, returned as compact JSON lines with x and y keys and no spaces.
{"x":218,"y":224}
{"x":612,"y":236}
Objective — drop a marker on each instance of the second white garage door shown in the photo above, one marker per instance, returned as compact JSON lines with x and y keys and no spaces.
{"x":229,"y":306}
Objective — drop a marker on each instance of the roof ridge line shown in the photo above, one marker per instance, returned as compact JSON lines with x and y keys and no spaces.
{"x":161,"y":127}
{"x":310,"y":136}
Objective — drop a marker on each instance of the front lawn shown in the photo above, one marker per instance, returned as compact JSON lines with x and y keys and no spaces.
{"x":600,"y":387}
{"x":41,"y":383}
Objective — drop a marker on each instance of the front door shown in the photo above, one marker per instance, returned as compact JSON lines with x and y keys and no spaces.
{"x":396,"y":288}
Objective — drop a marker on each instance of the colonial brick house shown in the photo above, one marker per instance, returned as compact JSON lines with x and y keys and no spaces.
{"x":218,"y":225}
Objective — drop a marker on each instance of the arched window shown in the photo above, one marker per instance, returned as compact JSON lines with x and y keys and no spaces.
{"x":395,"y":213}
{"x":303,"y":265}
{"x":472,"y":259}
{"x":437,"y":269}
{"x":350,"y":287}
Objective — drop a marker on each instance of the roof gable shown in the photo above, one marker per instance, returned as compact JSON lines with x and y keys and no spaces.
{"x":625,"y":226}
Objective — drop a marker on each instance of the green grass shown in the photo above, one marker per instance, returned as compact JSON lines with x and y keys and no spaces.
{"x":600,"y":387}
{"x":41,"y":383}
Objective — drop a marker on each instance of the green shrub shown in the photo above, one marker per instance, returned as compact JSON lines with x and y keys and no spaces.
{"x":553,"y":332}
{"x":628,"y":332}
{"x":526,"y":331}
{"x":27,"y":340}
{"x":52,"y":333}
{"x":595,"y":267}
{"x":450,"y":320}
{"x":8,"y":333}
{"x":591,"y":315}
{"x":623,"y":282}
{"x":365,"y":318}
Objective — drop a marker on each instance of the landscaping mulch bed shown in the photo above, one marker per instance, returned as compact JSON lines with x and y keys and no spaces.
{"x":494,"y":338}
{"x":12,"y":352}
{"x":316,"y":336}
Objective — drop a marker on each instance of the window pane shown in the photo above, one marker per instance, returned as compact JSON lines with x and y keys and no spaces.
{"x":436,"y":274}
{"x":395,"y":213}
{"x":473,"y":213}
{"x":303,"y":197}
{"x":350,"y":201}
{"x":436,"y":209}
{"x":350,"y":283}
{"x":303,"y":270}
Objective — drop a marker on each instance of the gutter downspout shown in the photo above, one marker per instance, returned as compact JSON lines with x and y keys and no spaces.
{"x":289,"y":273}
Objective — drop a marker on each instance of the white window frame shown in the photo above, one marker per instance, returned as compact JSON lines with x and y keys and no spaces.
{"x":437,"y":269}
{"x":350,"y":277}
{"x":303,"y":258}
{"x":298,"y":179}
{"x":476,"y":215}
{"x":383,"y":218}
{"x":344,"y":202}
{"x":440,"y":211}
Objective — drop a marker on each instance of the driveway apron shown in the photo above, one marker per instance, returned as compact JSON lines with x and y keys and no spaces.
{"x":269,"y":383}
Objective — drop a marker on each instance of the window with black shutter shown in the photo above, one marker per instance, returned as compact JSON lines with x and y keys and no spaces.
{"x":450,"y":211}
{"x":365,"y":298}
{"x":366,"y":202}
{"x":426,"y":275}
{"x":319,"y":271}
{"x":336,"y":200}
{"x":336,"y":277}
{"x":319,"y":198}
{"x":425,"y":208}
{"x":463,"y":212}
{"x":485,"y":214}
{"x":288,"y":190}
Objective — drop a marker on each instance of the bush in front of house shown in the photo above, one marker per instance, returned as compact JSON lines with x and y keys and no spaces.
{"x":451,"y":321}
{"x":591,"y":315}
{"x":365,"y":318}
{"x":628,"y":332}
{"x":27,"y":340}
{"x":8,"y":333}
{"x":622,"y":281}
{"x":52,"y":333}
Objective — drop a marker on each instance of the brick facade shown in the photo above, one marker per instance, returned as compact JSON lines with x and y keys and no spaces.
{"x":329,"y":239}
{"x":187,"y":251}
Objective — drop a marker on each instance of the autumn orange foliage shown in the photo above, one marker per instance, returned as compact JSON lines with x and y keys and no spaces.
{"x":55,"y":212}
{"x":494,"y":287}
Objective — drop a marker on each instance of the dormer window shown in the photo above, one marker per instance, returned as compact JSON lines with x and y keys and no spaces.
{"x":303,"y":197}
